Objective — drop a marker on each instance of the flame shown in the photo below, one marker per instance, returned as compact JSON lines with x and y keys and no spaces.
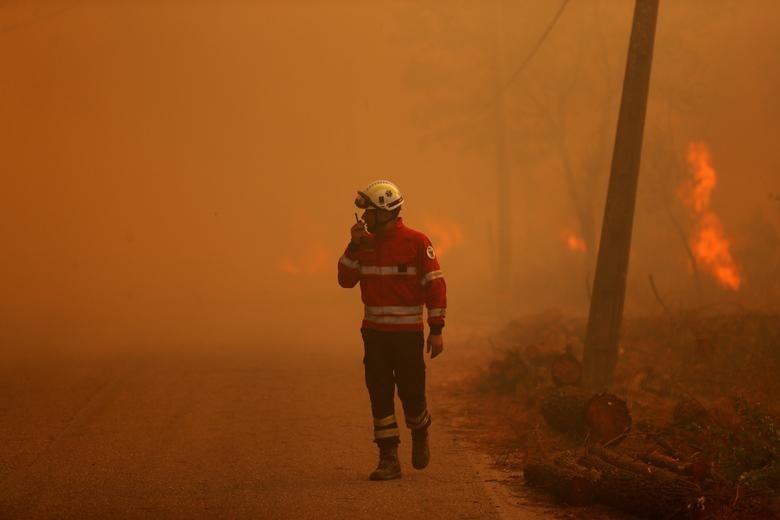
{"x":704,"y":178}
{"x":315,"y":261}
{"x":708,"y":243}
{"x":573,"y":242}
{"x":445,"y":234}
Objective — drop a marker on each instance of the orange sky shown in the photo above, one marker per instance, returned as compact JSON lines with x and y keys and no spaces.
{"x":162,"y":160}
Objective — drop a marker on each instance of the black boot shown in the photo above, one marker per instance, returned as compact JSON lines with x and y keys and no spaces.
{"x":389,"y":468}
{"x":421,"y":453}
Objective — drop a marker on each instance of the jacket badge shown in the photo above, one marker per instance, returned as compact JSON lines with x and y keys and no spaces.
{"x":430,"y":252}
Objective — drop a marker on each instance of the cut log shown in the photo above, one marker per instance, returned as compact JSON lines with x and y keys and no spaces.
{"x":566,"y":370}
{"x":699,"y":469}
{"x":660,"y":460}
{"x":628,"y":487}
{"x":665,"y":444}
{"x":606,"y":419}
{"x":564,"y":409}
{"x":630,"y":464}
{"x":648,"y":495}
{"x":690,"y":411}
{"x":569,"y":483}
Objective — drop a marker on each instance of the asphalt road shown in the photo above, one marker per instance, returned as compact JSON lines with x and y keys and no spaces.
{"x":250,"y":434}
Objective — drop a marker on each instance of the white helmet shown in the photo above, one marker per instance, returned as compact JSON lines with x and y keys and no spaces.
{"x":380,"y":194}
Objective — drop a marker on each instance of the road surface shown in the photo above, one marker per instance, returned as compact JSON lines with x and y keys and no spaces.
{"x":253,"y":433}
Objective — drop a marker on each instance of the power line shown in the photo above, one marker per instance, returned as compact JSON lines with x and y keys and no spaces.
{"x":536,"y":47}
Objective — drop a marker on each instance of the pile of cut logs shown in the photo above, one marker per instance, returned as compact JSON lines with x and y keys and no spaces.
{"x":655,"y":486}
{"x":645,"y":489}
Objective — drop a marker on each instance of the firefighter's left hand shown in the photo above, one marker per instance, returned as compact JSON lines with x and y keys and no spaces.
{"x":435,"y":344}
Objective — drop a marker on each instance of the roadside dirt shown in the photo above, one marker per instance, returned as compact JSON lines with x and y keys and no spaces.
{"x":498,"y":433}
{"x":705,"y":384}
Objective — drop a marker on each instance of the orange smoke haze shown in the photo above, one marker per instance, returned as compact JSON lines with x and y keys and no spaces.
{"x":182,"y":173}
{"x":315,"y":261}
{"x":445,"y":234}
{"x":709,"y":244}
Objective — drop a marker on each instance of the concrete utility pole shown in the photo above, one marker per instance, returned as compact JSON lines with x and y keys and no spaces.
{"x":609,"y":289}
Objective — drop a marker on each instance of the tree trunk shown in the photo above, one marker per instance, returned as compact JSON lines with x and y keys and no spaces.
{"x":607,"y":419}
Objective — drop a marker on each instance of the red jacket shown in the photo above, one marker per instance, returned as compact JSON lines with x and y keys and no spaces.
{"x":398,"y":274}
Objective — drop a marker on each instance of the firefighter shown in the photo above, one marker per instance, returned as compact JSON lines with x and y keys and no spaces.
{"x":399,"y":274}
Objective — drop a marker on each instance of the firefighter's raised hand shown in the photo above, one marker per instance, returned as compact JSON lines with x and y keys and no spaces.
{"x":358,"y":231}
{"x":435,"y":344}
